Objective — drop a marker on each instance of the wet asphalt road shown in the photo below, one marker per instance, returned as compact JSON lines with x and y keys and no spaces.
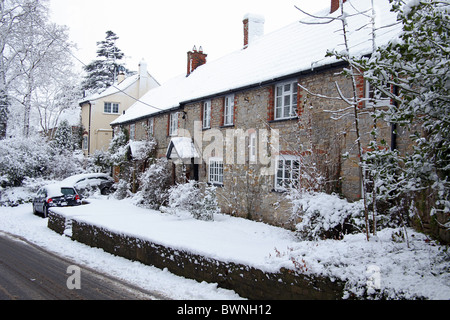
{"x":28,"y":272}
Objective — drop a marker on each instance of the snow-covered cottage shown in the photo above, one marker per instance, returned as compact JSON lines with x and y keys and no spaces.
{"x":248,"y":126}
{"x":100,"y":109}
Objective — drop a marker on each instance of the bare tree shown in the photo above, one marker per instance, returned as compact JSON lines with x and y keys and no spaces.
{"x":355,"y":102}
{"x":12,"y":14}
{"x":35,"y":60}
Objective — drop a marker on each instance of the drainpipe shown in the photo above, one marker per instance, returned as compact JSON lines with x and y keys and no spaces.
{"x":394,"y":125}
{"x":89,"y":130}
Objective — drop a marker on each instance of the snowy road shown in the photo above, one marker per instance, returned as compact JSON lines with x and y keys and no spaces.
{"x":27,"y":272}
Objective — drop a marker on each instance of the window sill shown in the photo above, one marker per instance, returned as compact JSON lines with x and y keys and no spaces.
{"x":280,"y":191}
{"x":215,"y":184}
{"x":284,"y":119}
{"x":227,"y":126}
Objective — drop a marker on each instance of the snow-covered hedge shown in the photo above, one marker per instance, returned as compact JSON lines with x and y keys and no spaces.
{"x":323,"y":215}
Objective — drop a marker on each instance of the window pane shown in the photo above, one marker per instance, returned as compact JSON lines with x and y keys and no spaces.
{"x":287,"y":110}
{"x":278,"y":113}
{"x":216,"y":171}
{"x":279,"y":91}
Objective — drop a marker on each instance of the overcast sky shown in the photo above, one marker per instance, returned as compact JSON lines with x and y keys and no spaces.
{"x":161,"y":32}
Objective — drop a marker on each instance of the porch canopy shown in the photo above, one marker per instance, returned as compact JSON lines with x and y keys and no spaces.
{"x":183,"y":149}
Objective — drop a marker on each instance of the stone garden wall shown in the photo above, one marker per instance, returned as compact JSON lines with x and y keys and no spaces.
{"x":247,"y":281}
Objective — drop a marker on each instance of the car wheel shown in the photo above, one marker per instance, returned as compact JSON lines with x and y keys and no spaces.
{"x":34,"y":210}
{"x":104,"y":191}
{"x":45,"y":213}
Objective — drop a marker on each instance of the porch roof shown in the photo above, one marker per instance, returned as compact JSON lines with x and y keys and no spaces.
{"x":182,"y":148}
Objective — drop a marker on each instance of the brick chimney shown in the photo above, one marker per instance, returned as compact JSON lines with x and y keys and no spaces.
{"x":195,"y":59}
{"x":335,"y":5}
{"x":253,"y":28}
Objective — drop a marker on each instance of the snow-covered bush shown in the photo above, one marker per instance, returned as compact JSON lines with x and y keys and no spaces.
{"x":20,"y":158}
{"x":154,"y":183}
{"x":184,"y":196}
{"x":207,"y":205}
{"x":65,"y":164}
{"x":122,"y":189}
{"x":323,"y":215}
{"x":34,"y":157}
{"x":63,"y":140}
{"x":199,"y":199}
{"x":99,"y":161}
{"x":118,"y":148}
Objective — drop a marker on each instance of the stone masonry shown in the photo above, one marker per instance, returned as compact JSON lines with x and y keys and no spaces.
{"x":314,"y":135}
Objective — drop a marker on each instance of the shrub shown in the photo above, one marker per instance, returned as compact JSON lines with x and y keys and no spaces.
{"x":323,"y":215}
{"x":154,"y":184}
{"x":199,"y":199}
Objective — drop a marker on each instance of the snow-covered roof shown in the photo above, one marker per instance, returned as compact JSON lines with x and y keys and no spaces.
{"x":296,"y":48}
{"x":184,"y":148}
{"x":115,"y":88}
{"x":72,"y":180}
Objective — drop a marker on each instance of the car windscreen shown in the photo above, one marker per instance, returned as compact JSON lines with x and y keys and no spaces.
{"x":68,"y":191}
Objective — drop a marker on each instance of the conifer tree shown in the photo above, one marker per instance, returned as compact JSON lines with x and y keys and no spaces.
{"x":63,"y":140}
{"x":102,"y":72}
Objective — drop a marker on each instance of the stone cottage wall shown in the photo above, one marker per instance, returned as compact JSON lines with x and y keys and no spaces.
{"x":314,"y":135}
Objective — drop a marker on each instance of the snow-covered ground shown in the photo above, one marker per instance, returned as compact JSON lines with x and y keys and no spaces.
{"x":422,"y":270}
{"x":20,"y":221}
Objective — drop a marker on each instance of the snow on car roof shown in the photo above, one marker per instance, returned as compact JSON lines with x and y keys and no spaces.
{"x":72,"y":180}
{"x":53,"y":190}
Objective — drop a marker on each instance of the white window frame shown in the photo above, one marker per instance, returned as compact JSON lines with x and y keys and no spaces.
{"x":132,"y":131}
{"x":85,"y":142}
{"x":285,"y":100}
{"x":215,"y":171}
{"x":111,"y":108}
{"x":228,"y":113}
{"x":252,"y":143}
{"x":206,"y":114}
{"x":150,"y":127}
{"x":173,"y":124}
{"x":286,"y":173}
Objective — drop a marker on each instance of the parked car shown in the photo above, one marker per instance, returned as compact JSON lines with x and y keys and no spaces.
{"x":54,"y":195}
{"x":83,"y":183}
